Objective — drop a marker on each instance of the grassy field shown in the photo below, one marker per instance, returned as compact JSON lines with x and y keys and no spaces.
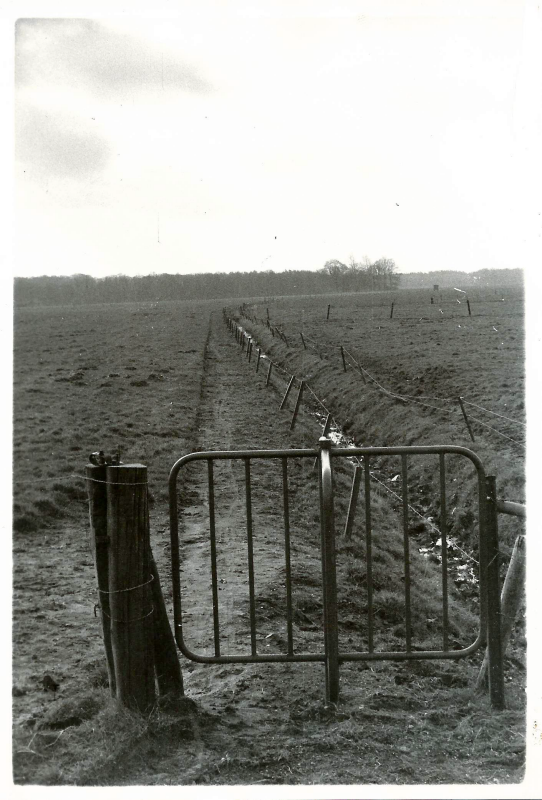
{"x":159,"y":380}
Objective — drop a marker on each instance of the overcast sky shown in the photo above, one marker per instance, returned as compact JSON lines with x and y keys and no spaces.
{"x":230,"y":139}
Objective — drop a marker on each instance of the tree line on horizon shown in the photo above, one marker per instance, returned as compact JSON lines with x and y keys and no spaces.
{"x":333,"y":277}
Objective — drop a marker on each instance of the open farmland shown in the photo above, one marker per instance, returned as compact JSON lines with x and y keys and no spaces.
{"x":159,"y":380}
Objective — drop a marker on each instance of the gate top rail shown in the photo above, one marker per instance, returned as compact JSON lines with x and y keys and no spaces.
{"x":336,"y":451}
{"x":433,"y":449}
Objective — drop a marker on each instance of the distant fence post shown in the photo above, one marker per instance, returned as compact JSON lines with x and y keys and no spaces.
{"x":342,"y":356}
{"x":269,"y":373}
{"x":391,"y":312}
{"x":130,"y":594}
{"x":466,"y":418}
{"x":258,"y":359}
{"x":328,"y":309}
{"x":287,"y":392}
{"x":297,"y":404}
{"x":97,"y":501}
{"x":354,"y":494}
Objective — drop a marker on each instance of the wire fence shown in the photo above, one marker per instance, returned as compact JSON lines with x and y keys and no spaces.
{"x":355,"y":460}
{"x":418,"y":400}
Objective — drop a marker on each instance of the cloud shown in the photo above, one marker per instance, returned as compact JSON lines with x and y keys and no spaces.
{"x":53,"y":144}
{"x":82,"y":53}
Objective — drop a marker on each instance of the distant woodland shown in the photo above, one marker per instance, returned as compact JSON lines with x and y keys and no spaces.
{"x":333,"y":277}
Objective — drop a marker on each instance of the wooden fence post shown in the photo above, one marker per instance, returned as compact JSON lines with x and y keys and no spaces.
{"x":297,"y":404}
{"x":269,"y":373}
{"x":511,"y":597}
{"x":328,"y":308}
{"x":391,"y":312}
{"x":466,"y":418}
{"x":288,"y":388}
{"x":258,"y":359}
{"x":130,"y":578}
{"x":97,"y":501}
{"x":354,"y":494}
{"x":342,"y":356}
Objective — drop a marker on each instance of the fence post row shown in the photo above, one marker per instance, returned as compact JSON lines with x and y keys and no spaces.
{"x":496,"y":628}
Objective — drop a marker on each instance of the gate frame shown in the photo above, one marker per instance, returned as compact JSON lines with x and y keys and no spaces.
{"x":489,"y":590}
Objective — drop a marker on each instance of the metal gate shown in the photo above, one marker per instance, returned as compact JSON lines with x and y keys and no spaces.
{"x":489,"y":631}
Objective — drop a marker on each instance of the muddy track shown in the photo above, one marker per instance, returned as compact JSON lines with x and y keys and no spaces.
{"x":237,"y":411}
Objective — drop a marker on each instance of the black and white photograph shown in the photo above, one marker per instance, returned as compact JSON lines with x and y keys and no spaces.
{"x":272,"y":325}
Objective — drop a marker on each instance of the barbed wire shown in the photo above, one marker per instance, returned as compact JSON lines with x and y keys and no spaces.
{"x":417,"y":400}
{"x":405,"y":398}
{"x":360,"y":463}
{"x":60,"y":478}
{"x":504,"y":436}
{"x":509,"y":419}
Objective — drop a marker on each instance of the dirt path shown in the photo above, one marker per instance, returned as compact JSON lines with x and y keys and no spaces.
{"x":237,"y":412}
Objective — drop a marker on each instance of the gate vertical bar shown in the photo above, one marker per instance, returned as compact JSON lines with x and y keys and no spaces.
{"x":286,"y":507}
{"x":369,"y":553}
{"x":444,"y":552}
{"x":331,"y":638}
{"x":212,"y":532}
{"x":494,"y":643}
{"x":406,"y":547}
{"x":250,"y":558}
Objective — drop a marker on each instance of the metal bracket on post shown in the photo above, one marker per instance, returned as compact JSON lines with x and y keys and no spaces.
{"x":494,"y":643}
{"x":329,"y":573}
